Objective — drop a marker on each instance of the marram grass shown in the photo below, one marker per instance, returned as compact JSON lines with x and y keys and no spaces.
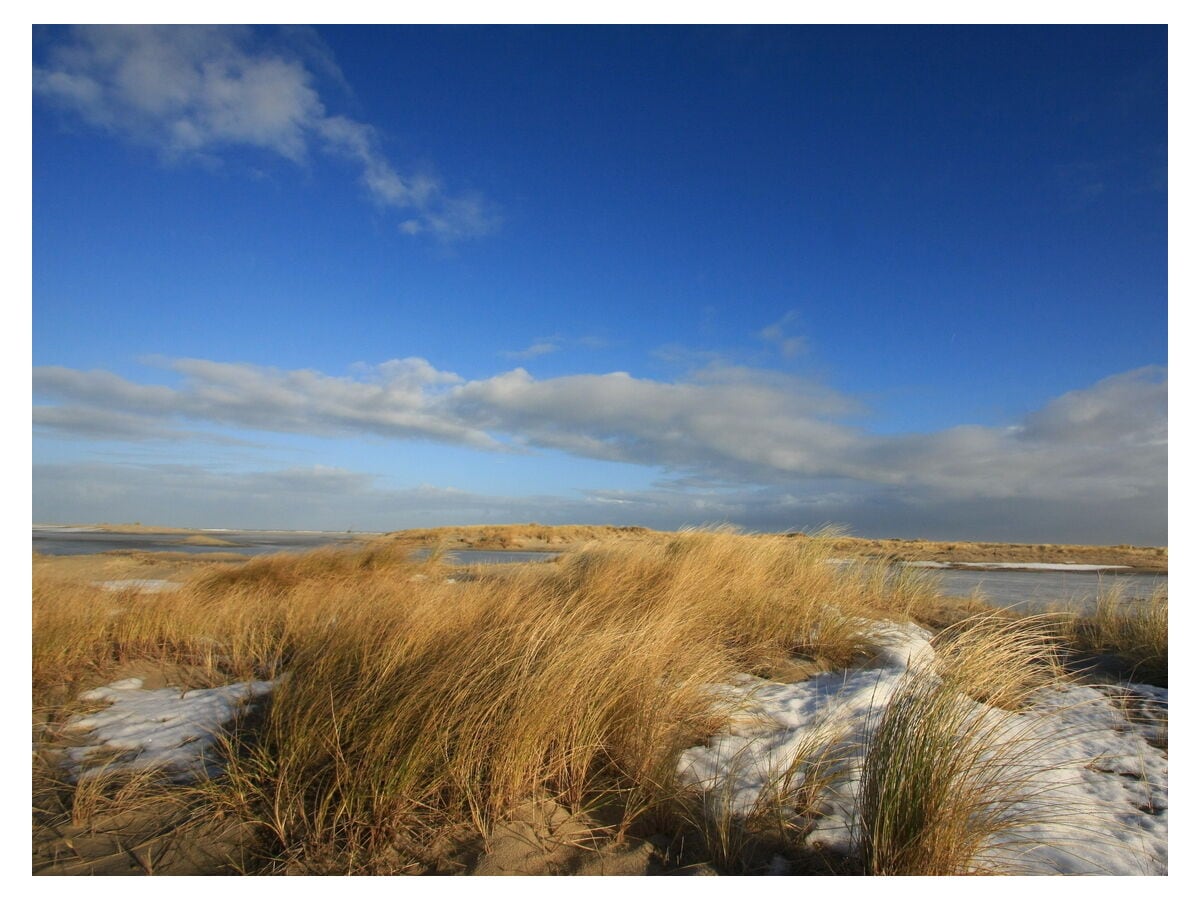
{"x":946,"y":781}
{"x":1133,"y":630}
{"x":408,"y":709}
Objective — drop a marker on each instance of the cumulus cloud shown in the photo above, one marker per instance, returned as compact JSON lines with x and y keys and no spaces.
{"x":723,"y":426}
{"x":104,"y":390}
{"x":102,"y":424}
{"x":397,"y":399}
{"x":197,"y":90}
{"x":1126,"y":408}
{"x":1106,"y":440}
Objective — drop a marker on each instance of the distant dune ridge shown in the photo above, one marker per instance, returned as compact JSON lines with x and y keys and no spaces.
{"x":535,"y":536}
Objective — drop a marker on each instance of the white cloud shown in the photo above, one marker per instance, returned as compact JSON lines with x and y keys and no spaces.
{"x":103,"y":424}
{"x":335,"y":499}
{"x":195,"y":91}
{"x":1131,"y":406}
{"x":725,"y":425}
{"x":397,"y":399}
{"x":1104,"y":441}
{"x":104,"y":390}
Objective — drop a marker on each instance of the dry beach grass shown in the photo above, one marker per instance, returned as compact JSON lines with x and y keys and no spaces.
{"x":1134,"y":632}
{"x":417,"y":720}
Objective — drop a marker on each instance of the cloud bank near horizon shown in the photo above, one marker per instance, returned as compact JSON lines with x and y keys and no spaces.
{"x":336,"y":499}
{"x":195,"y":92}
{"x":733,"y":444}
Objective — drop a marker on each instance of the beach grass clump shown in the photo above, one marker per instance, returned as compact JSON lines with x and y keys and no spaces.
{"x":1133,"y":630}
{"x":238,"y":621}
{"x":580,"y":681}
{"x":946,"y":781}
{"x":998,"y":660}
{"x":443,"y":719}
{"x":739,"y":838}
{"x":280,"y":572}
{"x":70,"y":630}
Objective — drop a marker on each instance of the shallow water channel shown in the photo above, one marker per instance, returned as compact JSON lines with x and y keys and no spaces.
{"x":65,"y":541}
{"x":1038,"y":591}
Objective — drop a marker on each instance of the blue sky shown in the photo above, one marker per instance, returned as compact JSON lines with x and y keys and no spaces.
{"x":908,"y":280}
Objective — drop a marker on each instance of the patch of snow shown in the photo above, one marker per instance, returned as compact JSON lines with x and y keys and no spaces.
{"x":1087,"y":753}
{"x":155,"y":729}
{"x":898,"y":645}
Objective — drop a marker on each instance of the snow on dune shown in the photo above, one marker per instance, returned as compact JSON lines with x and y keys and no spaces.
{"x":1096,"y":763}
{"x":155,"y":729}
{"x":1096,"y":779}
